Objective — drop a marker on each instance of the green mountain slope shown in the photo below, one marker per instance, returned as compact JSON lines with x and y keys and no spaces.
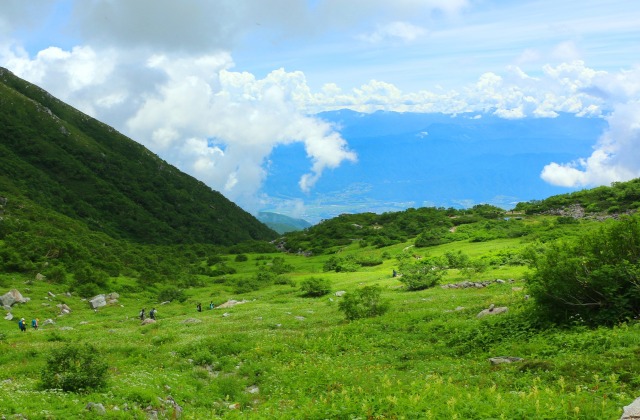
{"x":65,"y":160}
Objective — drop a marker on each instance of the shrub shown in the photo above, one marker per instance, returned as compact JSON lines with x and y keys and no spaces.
{"x":593,"y":278}
{"x":420,"y":276}
{"x":363,"y":303}
{"x":171,"y":294}
{"x":241,"y":258}
{"x":75,"y":368}
{"x":315,"y":287}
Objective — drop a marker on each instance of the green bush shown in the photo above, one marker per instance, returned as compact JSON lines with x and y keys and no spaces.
{"x":74,"y":368}
{"x":420,"y":276}
{"x":315,"y":287}
{"x":241,"y":258}
{"x":363,"y":303}
{"x":170,"y":294}
{"x":593,"y":279}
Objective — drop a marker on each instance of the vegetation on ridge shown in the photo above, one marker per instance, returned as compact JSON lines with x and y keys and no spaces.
{"x":65,"y":160}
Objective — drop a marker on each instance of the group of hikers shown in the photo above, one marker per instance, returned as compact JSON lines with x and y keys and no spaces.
{"x":199,"y":306}
{"x":23,"y":324}
{"x":152,"y":314}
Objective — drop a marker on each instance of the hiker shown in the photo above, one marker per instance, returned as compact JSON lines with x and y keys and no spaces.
{"x":34,"y":323}
{"x":152,"y":313}
{"x":142,"y":315}
{"x":395,"y":273}
{"x":211,"y":305}
{"x":22,"y":325}
{"x":199,"y":307}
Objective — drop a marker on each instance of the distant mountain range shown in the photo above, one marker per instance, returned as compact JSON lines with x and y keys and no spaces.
{"x":66,"y":161}
{"x":281,"y":223}
{"x":415,"y":160}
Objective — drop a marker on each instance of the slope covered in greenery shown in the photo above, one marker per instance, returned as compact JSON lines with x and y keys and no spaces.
{"x":64,"y":160}
{"x":620,"y":197}
{"x":285,"y":353}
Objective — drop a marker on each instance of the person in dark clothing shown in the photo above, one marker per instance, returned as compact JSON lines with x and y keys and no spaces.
{"x":199,"y":307}
{"x":23,"y":325}
{"x":152,"y":313}
{"x":142,"y":314}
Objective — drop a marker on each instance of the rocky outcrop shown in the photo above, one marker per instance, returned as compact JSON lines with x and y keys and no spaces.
{"x":231,"y":303}
{"x":474,"y":284}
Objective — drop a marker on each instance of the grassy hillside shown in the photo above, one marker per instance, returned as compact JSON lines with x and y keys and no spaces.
{"x":283,"y":355}
{"x":64,"y":160}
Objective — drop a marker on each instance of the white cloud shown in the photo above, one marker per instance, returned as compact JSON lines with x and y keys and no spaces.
{"x":402,"y":31}
{"x":615,"y":158}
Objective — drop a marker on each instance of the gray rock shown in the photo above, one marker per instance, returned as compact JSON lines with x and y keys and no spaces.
{"x":504,"y":359}
{"x":9,"y":316}
{"x":231,"y":303}
{"x":48,"y":322}
{"x":191,"y":321}
{"x":148,"y":321}
{"x":64,"y":309}
{"x":12,"y":297}
{"x":96,"y":408}
{"x":631,"y":411}
{"x":51,"y":295}
{"x":340,"y":293}
{"x":97,"y":302}
{"x":492,"y":310}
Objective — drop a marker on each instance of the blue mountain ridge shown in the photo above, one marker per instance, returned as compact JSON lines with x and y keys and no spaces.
{"x":415,"y":160}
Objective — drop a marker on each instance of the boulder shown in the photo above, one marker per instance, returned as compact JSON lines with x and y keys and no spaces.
{"x":48,"y":322}
{"x":112,"y":296}
{"x":492,"y":310}
{"x":9,"y":316}
{"x":631,"y":411}
{"x":12,"y":297}
{"x":148,"y":321}
{"x":97,"y":302}
{"x":96,"y":408}
{"x":340,"y":293}
{"x":64,"y":309}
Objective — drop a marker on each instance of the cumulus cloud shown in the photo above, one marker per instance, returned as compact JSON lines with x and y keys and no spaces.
{"x":233,"y":121}
{"x":616,"y":156}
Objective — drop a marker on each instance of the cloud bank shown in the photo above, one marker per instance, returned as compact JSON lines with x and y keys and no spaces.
{"x":164,"y":73}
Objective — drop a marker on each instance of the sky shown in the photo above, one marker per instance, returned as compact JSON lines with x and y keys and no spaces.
{"x":214,"y":86}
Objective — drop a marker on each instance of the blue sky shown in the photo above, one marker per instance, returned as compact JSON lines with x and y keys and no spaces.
{"x":214,"y":86}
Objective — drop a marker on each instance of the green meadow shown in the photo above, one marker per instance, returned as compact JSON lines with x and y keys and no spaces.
{"x":279,"y":354}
